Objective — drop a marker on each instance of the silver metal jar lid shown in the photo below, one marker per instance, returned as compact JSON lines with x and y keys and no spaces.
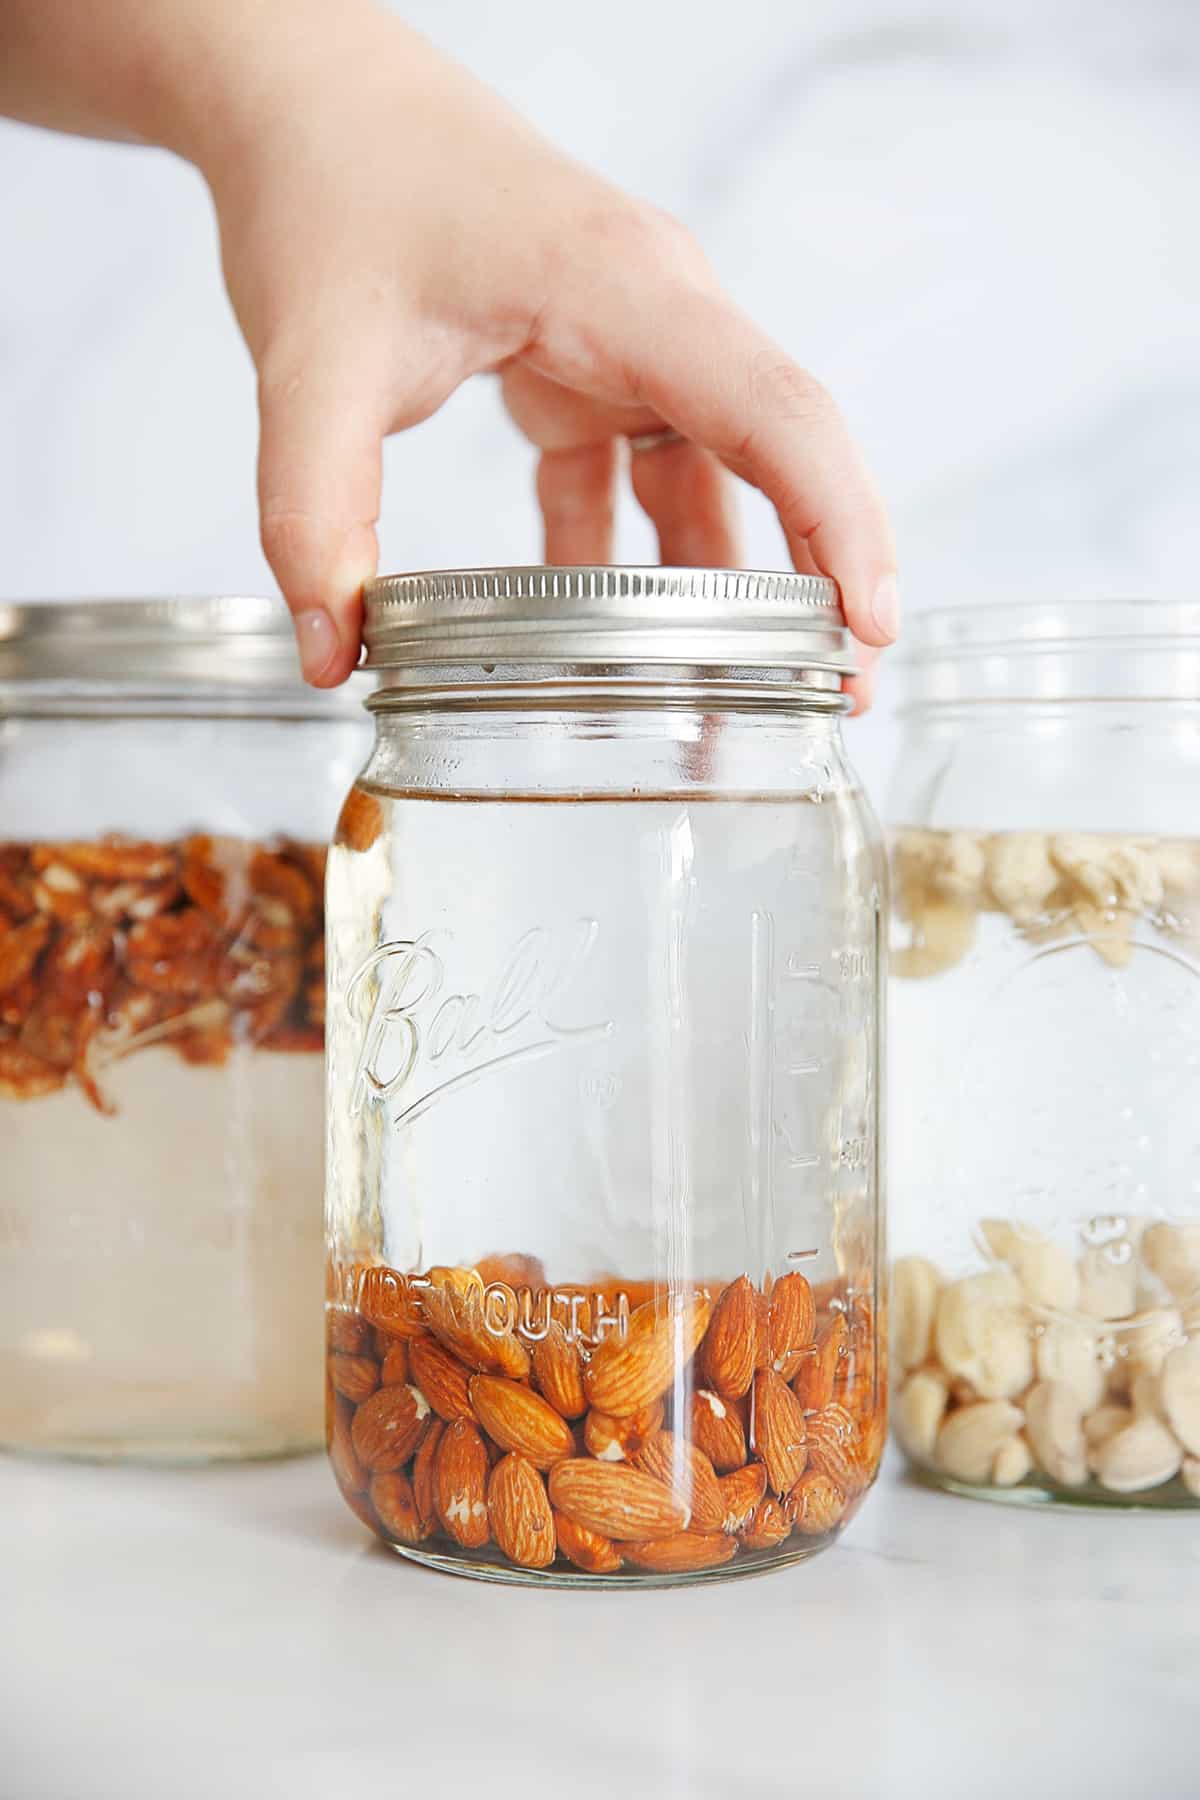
{"x":161,"y":645}
{"x":727,"y":618}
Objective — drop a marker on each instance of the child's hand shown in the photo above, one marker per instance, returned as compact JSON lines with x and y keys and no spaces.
{"x":389,"y":227}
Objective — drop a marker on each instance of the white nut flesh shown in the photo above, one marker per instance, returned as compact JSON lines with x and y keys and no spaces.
{"x":969,"y":1439}
{"x":914,"y":1294}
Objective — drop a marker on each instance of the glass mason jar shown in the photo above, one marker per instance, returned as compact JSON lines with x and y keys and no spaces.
{"x":603,"y":1164}
{"x":167,"y":785}
{"x":1046,"y":1054}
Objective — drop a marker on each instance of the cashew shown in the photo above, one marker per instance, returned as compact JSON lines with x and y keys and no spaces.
{"x":1143,"y":1455}
{"x":1066,"y":1351}
{"x":1172,"y":1252}
{"x":1108,"y":1289}
{"x":1012,"y":1462}
{"x":943,"y":932}
{"x":982,"y":1337}
{"x":1054,"y":1427}
{"x":970,"y":1438}
{"x":1045,"y":1270}
{"x":1020,"y":873}
{"x":1190,"y":1473}
{"x":1109,"y":931}
{"x":918,"y":1413}
{"x":1145,"y":1395}
{"x":1177,"y":867}
{"x":1146,"y":1344}
{"x":1088,"y":861}
{"x":960,"y":873}
{"x":915,"y":1285}
{"x":1180,"y":1392}
{"x":1104,"y":1422}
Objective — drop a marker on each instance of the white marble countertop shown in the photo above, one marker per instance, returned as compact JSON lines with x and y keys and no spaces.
{"x":232,"y":1633}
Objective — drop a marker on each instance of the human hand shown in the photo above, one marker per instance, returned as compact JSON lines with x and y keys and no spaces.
{"x":389,"y":228}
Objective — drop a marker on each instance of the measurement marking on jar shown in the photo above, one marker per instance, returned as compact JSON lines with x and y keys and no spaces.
{"x":802,"y":1255}
{"x":810,"y":1160}
{"x":801,"y":971}
{"x":804,"y":1068}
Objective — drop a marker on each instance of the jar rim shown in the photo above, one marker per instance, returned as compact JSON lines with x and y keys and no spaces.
{"x":1032,"y":626}
{"x":1117,"y":650}
{"x":600,"y":615}
{"x":166,"y":646}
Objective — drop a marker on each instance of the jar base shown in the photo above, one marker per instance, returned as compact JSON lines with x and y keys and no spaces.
{"x":1172,"y":1496}
{"x":740,"y":1569}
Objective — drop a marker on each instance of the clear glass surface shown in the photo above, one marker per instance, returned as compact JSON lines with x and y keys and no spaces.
{"x":1045,"y":1054}
{"x":604,"y":1071}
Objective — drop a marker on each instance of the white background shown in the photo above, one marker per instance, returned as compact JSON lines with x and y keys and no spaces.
{"x":977,"y":223}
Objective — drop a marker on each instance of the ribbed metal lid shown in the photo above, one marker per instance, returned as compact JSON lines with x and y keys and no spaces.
{"x":725,"y":618}
{"x":169,"y":645}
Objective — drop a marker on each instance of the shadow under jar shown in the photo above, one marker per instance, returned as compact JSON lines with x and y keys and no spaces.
{"x":167,"y":788}
{"x":1046,"y":1054}
{"x":603,"y":1203}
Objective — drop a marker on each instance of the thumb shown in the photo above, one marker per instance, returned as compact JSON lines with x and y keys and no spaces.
{"x":319,"y":481}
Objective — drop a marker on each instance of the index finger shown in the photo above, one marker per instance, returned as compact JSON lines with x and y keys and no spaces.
{"x":713,"y":375}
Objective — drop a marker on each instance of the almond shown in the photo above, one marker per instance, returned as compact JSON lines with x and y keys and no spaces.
{"x":394,"y":1369}
{"x":362,"y":1509}
{"x":460,"y":1485}
{"x":392,"y":1498}
{"x":559,"y":1372}
{"x":354,"y":1377}
{"x":522,"y":1523}
{"x":681,"y":1552}
{"x":833,"y":1446}
{"x":388,"y":1427}
{"x":777,"y":1430}
{"x":456,"y":1317}
{"x":519,"y":1419}
{"x":818,"y":1369}
{"x":768,"y":1526}
{"x":351,"y":1476}
{"x":441,"y":1378}
{"x":618,"y":1440}
{"x":348,"y":1332}
{"x":514,"y":1271}
{"x":791,"y":1324}
{"x":741,"y":1491}
{"x":717,"y":1429}
{"x":615,"y":1500}
{"x":815,"y":1504}
{"x":586,"y":1549}
{"x":627,"y":1373}
{"x":386,"y":1302}
{"x":360,"y":821}
{"x":424,"y":1476}
{"x":688,"y":1473}
{"x":728,"y":1358}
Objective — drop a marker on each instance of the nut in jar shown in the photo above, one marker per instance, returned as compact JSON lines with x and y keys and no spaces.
{"x":506,"y":1426}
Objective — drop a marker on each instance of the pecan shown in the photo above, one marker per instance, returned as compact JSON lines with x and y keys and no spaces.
{"x":23,"y":1075}
{"x":175,"y":954}
{"x":107,"y":859}
{"x":20,"y":947}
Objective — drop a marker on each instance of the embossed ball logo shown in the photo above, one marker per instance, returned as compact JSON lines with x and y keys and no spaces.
{"x":423,"y":1040}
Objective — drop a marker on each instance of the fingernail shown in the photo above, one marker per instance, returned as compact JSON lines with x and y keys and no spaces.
{"x":885,"y":608}
{"x":317,"y":640}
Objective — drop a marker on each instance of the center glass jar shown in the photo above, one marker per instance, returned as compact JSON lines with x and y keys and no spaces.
{"x":603,"y":1199}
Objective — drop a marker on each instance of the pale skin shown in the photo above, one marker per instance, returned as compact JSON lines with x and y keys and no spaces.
{"x":390,"y":228}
